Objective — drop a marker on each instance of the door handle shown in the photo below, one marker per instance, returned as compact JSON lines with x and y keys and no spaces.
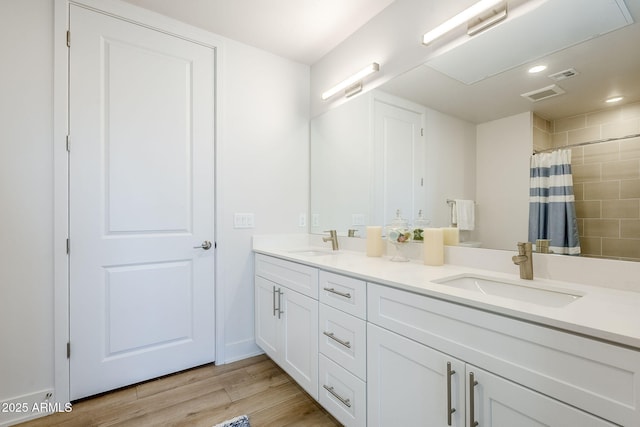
{"x":206,"y":245}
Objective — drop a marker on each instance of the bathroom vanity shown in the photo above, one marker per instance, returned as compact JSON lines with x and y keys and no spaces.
{"x":379,"y":343}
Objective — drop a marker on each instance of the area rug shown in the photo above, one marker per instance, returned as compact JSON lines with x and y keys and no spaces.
{"x":241,"y":421}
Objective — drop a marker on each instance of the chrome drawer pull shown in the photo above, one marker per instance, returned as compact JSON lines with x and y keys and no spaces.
{"x":342,"y":294}
{"x":345,"y":402}
{"x":450,"y":410}
{"x":472,"y":400}
{"x":279,"y":291}
{"x":338,"y":340}
{"x":274,"y":301}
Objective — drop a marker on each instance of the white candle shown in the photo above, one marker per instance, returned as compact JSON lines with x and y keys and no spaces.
{"x":433,"y":246}
{"x":374,"y":241}
{"x":451,"y":236}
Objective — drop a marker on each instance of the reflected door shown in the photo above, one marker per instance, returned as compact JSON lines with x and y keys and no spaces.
{"x":399,"y":154}
{"x":141,"y":108}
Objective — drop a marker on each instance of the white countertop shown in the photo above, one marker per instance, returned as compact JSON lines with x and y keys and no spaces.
{"x":607,"y":314}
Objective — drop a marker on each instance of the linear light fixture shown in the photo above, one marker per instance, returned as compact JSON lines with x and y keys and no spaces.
{"x":354,"y":80}
{"x":464,"y":16}
{"x":614,"y":99}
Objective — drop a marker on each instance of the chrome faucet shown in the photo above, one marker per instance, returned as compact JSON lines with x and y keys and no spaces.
{"x":333,"y":238}
{"x":524,"y":260}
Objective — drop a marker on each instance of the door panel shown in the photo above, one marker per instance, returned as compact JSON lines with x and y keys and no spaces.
{"x":138,"y":299}
{"x":141,"y":172}
{"x":399,"y":153}
{"x":266,"y":320}
{"x":407,"y":382}
{"x":300,"y":339}
{"x":502,"y":403}
{"x":160,"y":198}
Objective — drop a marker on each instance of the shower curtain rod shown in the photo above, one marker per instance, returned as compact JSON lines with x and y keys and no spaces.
{"x":580,"y":144}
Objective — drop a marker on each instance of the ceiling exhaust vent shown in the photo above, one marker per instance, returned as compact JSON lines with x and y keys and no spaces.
{"x":565,"y":74}
{"x":544,"y":93}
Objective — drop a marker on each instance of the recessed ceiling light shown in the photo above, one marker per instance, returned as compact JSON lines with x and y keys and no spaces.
{"x":614,"y":99}
{"x":537,"y":69}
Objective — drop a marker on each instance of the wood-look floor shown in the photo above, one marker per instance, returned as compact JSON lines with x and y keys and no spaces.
{"x":201,"y":396}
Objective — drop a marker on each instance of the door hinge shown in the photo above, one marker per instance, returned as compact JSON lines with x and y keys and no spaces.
{"x":68,"y":38}
{"x":68,"y":246}
{"x":68,"y":350}
{"x":68,"y":143}
{"x":421,"y":131}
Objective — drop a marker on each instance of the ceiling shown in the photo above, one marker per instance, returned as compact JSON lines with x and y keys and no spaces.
{"x":301,"y":30}
{"x":305,"y":30}
{"x":607,"y":65}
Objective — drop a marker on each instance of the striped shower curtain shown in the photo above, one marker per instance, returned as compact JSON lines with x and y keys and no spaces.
{"x":552,"y":212}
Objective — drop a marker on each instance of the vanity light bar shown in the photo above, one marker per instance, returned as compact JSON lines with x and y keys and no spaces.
{"x":461,"y":18}
{"x":351,"y":81}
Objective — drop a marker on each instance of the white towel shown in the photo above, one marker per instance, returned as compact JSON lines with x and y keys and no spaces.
{"x":465,"y":214}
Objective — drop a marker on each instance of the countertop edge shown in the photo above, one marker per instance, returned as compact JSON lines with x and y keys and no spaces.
{"x":604,"y":335}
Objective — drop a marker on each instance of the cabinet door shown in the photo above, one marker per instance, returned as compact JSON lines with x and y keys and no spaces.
{"x":407,"y":383}
{"x":266,"y":318}
{"x":502,"y":403}
{"x":299,"y":317}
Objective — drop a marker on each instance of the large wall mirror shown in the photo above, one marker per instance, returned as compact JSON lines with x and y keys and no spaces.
{"x":430,"y":135}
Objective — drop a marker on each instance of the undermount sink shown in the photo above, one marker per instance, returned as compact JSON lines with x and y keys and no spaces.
{"x":511,"y":289}
{"x":313,"y":252}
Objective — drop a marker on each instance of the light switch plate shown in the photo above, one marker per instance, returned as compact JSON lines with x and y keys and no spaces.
{"x":243,"y":220}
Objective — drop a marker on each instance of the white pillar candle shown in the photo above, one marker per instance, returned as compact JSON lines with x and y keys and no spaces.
{"x":374,"y":241}
{"x":433,"y":246}
{"x":451,"y":236}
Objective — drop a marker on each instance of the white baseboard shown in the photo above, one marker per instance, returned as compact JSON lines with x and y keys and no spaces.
{"x":30,"y":406}
{"x":240,"y":350}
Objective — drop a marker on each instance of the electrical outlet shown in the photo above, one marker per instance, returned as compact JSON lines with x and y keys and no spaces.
{"x":243,"y":220}
{"x":357,"y":219}
{"x":302,"y":220}
{"x":315,"y":220}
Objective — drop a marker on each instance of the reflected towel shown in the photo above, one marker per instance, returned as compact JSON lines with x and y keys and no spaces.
{"x":465,"y":214}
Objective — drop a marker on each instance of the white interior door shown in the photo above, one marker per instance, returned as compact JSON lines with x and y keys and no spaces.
{"x":141,"y":191}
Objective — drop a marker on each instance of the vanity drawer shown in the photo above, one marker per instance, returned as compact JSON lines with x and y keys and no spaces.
{"x":344,"y":293}
{"x":342,"y":394}
{"x":343,"y":338}
{"x":601,"y":378}
{"x":298,"y":277}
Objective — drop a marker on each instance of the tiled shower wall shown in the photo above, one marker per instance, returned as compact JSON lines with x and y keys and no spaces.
{"x":606,"y":177}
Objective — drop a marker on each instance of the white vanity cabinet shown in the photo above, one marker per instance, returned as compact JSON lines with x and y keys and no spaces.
{"x":411,"y":384}
{"x":498,"y":402}
{"x":286,"y":317}
{"x":523,"y":374}
{"x":376,"y":355}
{"x":343,"y":347}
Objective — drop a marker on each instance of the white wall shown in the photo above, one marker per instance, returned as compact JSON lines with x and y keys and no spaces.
{"x":341,"y":169}
{"x":26,"y":201}
{"x":451,"y":165}
{"x":504,"y":147}
{"x":263,"y":169}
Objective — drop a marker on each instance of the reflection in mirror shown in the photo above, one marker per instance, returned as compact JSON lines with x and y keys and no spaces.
{"x":369,"y":159}
{"x":479,"y":137}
